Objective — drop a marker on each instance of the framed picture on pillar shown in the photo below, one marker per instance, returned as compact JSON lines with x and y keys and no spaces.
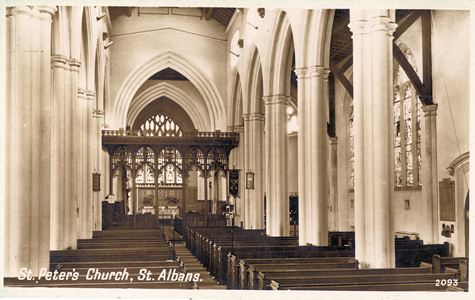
{"x":234,"y":183}
{"x":250,"y":180}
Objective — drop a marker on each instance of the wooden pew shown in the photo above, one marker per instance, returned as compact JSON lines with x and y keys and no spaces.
{"x":265,"y":277}
{"x":249,"y":268}
{"x":458,"y":265}
{"x":419,"y":286}
{"x":230,"y":270}
{"x":355,"y":280}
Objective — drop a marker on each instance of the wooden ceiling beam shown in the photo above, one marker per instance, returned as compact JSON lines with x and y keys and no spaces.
{"x":426,"y":57}
{"x":407,"y":67}
{"x":341,"y":77}
{"x":406,"y":23}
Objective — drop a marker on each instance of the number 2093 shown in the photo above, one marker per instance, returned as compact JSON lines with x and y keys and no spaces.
{"x":446,"y":282}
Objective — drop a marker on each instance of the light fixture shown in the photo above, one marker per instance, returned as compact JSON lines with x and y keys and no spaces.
{"x":240,"y":43}
{"x":106,"y":46}
{"x":101,"y":16}
{"x":255,"y":27}
{"x":237,"y":55}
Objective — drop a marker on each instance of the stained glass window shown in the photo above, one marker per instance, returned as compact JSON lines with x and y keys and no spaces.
{"x":397,"y":140}
{"x":418,"y":142}
{"x":352,"y":148}
{"x":407,"y":137}
{"x":160,"y":125}
{"x":169,"y":162}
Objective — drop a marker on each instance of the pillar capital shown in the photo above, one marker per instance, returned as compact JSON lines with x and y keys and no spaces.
{"x":59,"y":61}
{"x":333,"y":140}
{"x":20,"y":10}
{"x":239,"y":128}
{"x":276,"y":99}
{"x":430,"y":109}
{"x":90,"y":95}
{"x":98,"y":113}
{"x":74,"y":64}
{"x":256,"y":117}
{"x":357,"y":26}
{"x":300,"y":72}
{"x":47,"y":10}
{"x":316,"y":71}
{"x":86,"y":94}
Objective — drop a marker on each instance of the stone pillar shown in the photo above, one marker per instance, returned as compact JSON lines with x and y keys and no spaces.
{"x":247,"y":167}
{"x":430,"y":197}
{"x":64,"y":177}
{"x":89,"y":144}
{"x":316,"y":155}
{"x":98,"y":166}
{"x":28,"y":138}
{"x":333,"y":171}
{"x":301,"y":164}
{"x":81,"y":170}
{"x":253,"y":162}
{"x":257,"y":165}
{"x":372,"y":81}
{"x":277,"y":196}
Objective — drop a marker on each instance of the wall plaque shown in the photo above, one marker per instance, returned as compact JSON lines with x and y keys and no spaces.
{"x":96,"y":182}
{"x":447,"y":200}
{"x":249,"y":180}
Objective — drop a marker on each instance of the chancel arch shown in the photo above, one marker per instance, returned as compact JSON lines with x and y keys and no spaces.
{"x":168,"y":59}
{"x":165,"y":90}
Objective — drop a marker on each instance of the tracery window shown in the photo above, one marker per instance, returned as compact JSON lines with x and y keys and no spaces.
{"x":407,"y":137}
{"x":170,"y":162}
{"x":160,"y":125}
{"x":351,"y":141}
{"x":407,"y":110}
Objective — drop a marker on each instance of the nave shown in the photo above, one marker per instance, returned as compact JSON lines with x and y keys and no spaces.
{"x":305,"y":139}
{"x":228,"y":257}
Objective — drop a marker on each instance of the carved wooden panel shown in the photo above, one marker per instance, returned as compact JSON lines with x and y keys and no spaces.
{"x":447,"y":200}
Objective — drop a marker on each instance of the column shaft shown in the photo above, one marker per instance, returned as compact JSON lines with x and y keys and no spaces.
{"x":301,"y":164}
{"x":277,"y":198}
{"x":28,"y":112}
{"x":372,"y":78}
{"x":429,"y":175}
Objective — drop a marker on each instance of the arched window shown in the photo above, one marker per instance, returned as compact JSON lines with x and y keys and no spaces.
{"x":407,"y":137}
{"x":170,"y":162}
{"x":160,"y":125}
{"x":145,"y":160}
{"x":351,"y":142}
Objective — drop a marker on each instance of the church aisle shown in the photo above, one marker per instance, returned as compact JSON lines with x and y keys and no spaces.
{"x":190,"y":262}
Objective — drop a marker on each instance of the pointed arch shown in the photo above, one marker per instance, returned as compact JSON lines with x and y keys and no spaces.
{"x":280,"y":59}
{"x":253,"y":84}
{"x":162,"y":61}
{"x":319,"y":30}
{"x":198,"y":115}
{"x":235,"y":117}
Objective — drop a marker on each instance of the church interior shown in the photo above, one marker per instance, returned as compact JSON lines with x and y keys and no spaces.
{"x":253,"y":148}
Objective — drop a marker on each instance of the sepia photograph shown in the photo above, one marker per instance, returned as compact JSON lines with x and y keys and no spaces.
{"x":236,"y":149}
